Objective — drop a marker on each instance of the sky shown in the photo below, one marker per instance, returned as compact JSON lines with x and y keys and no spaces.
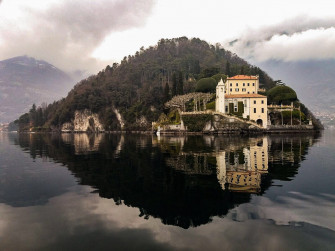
{"x":88,"y":35}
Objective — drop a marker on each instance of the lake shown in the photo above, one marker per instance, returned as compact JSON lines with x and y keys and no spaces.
{"x":143,"y":192}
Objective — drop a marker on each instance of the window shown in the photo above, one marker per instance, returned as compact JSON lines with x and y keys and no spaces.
{"x":236,"y":84}
{"x":254,"y":110}
{"x":231,"y":89}
{"x":253,"y":84}
{"x":243,"y":90}
{"x":262,"y":101}
{"x":237,"y":89}
{"x":248,"y":92}
{"x":235,"y":105}
{"x":253,"y":92}
{"x":227,"y":108}
{"x":254,"y":102}
{"x":231,"y":84}
{"x":243,"y":84}
{"x":222,"y":89}
{"x":262,"y":110}
{"x":248,"y":84}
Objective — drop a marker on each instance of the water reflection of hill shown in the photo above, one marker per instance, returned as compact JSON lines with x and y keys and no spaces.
{"x":184,"y":181}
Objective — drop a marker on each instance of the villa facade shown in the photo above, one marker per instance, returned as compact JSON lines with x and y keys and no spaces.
{"x":239,"y":96}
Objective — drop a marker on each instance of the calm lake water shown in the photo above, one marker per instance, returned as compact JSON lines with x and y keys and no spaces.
{"x":143,"y":192}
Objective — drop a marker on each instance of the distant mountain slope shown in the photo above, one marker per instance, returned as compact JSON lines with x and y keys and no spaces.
{"x":24,"y":81}
{"x":314,"y":81}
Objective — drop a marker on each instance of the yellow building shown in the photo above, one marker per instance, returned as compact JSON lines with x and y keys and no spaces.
{"x":242,"y":84}
{"x":239,"y":96}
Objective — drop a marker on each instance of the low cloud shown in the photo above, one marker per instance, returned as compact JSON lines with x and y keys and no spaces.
{"x":67,"y":32}
{"x":296,"y":39}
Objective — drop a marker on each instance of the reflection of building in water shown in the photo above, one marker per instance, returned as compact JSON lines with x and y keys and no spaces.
{"x":196,"y":163}
{"x":244,"y":181}
{"x":257,"y":155}
{"x":238,"y":167}
{"x":242,"y":169}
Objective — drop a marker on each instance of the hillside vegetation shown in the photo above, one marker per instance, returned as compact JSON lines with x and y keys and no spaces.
{"x":140,"y":85}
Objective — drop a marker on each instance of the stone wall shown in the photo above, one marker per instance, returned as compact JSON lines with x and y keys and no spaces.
{"x":211,"y":123}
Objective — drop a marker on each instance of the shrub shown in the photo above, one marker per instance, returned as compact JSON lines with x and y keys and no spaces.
{"x":218,"y":77}
{"x":196,"y":123}
{"x":211,"y":105}
{"x":281,"y":95}
{"x":206,"y":85}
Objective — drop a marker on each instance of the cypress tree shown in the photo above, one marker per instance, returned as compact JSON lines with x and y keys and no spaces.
{"x":180,"y":84}
{"x":242,"y":72}
{"x":166,"y":92}
{"x":174,"y":85}
{"x":228,"y":72}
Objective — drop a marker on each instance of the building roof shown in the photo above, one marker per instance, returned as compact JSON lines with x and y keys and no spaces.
{"x":243,"y":77}
{"x":244,"y":96}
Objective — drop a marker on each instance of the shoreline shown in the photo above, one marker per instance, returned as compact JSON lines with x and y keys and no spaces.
{"x":180,"y":132}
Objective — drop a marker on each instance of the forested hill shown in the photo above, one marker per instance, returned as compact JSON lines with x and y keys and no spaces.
{"x":141,"y":83}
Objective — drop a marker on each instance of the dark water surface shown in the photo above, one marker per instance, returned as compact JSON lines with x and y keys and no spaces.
{"x":142,"y":192}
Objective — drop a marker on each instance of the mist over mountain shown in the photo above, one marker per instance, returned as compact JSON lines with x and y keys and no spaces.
{"x":25,"y":81}
{"x":313,"y":80}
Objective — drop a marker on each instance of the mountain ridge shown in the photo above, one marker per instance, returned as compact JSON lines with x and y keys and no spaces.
{"x":25,"y":80}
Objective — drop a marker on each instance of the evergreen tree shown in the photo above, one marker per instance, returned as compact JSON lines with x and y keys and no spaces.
{"x":33,"y":115}
{"x":166,"y":92}
{"x":228,"y":71}
{"x":196,"y":67}
{"x":174,"y":85}
{"x":242,"y":72}
{"x":180,"y":84}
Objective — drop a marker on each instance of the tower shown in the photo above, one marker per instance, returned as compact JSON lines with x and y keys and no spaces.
{"x":220,"y":99}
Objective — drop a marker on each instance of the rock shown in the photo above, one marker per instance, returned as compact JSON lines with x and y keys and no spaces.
{"x":67,"y":127}
{"x":84,"y":121}
{"x":119,"y":117}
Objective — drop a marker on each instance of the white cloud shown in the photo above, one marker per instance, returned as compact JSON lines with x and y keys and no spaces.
{"x":79,"y":34}
{"x":311,"y":44}
{"x":291,"y":40}
{"x":66,"y":32}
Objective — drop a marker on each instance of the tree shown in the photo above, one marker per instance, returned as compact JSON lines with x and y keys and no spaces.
{"x":180,"y":84}
{"x":242,"y":72}
{"x":174,"y":85}
{"x":206,"y":85}
{"x":166,"y":92}
{"x":220,"y":76}
{"x":228,"y":71}
{"x":196,"y":67}
{"x":208,"y":72}
{"x":281,"y":94}
{"x":180,"y":101}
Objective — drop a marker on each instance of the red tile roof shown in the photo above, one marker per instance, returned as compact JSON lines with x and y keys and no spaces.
{"x":244,"y":96}
{"x":243,"y":77}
